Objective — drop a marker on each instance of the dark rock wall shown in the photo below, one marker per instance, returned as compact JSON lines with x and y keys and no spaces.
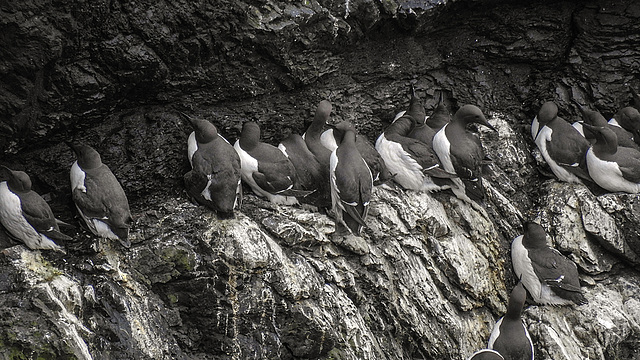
{"x":115,"y":74}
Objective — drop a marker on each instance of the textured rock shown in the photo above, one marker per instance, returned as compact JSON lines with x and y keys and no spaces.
{"x":430,"y":275}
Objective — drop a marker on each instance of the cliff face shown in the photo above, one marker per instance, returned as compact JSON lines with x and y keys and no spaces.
{"x":430,"y":275}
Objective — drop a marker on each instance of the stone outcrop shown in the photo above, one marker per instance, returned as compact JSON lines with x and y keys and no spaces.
{"x":429,"y":277}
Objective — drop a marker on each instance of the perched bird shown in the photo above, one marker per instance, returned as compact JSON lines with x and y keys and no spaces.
{"x":461,"y":153}
{"x":99,"y":197}
{"x":613,"y":168}
{"x":322,"y":197}
{"x":351,"y":182}
{"x":548,"y":275}
{"x":440,"y":115}
{"x":486,"y":354}
{"x":369,"y":153}
{"x":421,"y":131}
{"x":312,"y":136}
{"x":214,"y":178}
{"x":265,"y":168}
{"x":26,"y":215}
{"x":629,"y":119}
{"x":414,"y":164}
{"x":594,"y":118}
{"x":561,"y":145}
{"x":509,"y":336}
{"x":308,"y":170}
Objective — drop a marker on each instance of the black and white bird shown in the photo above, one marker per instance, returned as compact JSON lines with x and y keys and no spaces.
{"x":312,"y":137}
{"x":214,"y":178}
{"x":612,"y":167}
{"x":629,"y":119}
{"x":351,"y":182}
{"x":371,"y":156}
{"x":461,"y":153}
{"x":549,"y":276}
{"x":561,"y":145}
{"x":440,"y":115}
{"x":486,"y":354}
{"x":413,"y":163}
{"x":510,"y":336}
{"x":99,"y":197}
{"x":308,"y":170}
{"x":595,"y":118}
{"x":26,"y":215}
{"x":265,"y":168}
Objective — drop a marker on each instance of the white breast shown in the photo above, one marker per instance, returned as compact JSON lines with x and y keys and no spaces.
{"x":77,"y":178}
{"x":13,"y":220}
{"x":578,"y":126}
{"x":523,"y":268}
{"x":545,"y":135}
{"x":495,"y":333}
{"x":535,"y":126}
{"x":192,"y":147}
{"x":614,"y":122}
{"x":442,"y":148}
{"x":408,"y":173}
{"x":607,"y":174}
{"x":328,"y":140}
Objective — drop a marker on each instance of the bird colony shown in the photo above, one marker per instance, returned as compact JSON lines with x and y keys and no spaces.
{"x":331,"y":168}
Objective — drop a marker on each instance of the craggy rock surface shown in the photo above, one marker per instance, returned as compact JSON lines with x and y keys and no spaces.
{"x":430,"y":275}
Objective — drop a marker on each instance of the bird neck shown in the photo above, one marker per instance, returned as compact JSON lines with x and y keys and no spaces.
{"x":605,"y":145}
{"x":402,"y":126}
{"x":349,"y":138}
{"x":250,"y":137}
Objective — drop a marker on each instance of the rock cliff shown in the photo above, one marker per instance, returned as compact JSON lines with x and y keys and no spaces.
{"x":429,"y":277}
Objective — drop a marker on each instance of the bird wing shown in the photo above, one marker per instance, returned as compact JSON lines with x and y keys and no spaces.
{"x":353,"y":190}
{"x":554,"y":269}
{"x":37,"y":212}
{"x":104,"y":199}
{"x":629,"y":163}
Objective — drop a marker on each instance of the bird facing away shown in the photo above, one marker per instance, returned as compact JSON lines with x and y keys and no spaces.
{"x":561,"y":145}
{"x":440,"y":115}
{"x":308,"y":171}
{"x":461,"y":153}
{"x":214,"y":180}
{"x":413,"y":163}
{"x":322,"y":196}
{"x":594,"y":118}
{"x":371,"y":156}
{"x":421,"y":131}
{"x":26,"y":215}
{"x":629,"y":119}
{"x":265,"y":168}
{"x":549,"y":276}
{"x":99,"y":197}
{"x":613,"y":168}
{"x":351,"y":182}
{"x":510,"y":336}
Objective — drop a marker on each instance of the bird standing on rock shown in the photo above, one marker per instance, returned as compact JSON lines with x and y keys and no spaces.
{"x":351,"y":182}
{"x":510,"y":336}
{"x":561,"y":145}
{"x":214,"y":180}
{"x":628,"y":118}
{"x":99,"y":197}
{"x":26,"y":215}
{"x":594,"y":118}
{"x":548,"y":275}
{"x":371,"y":156}
{"x":413,"y":163}
{"x":461,"y":153}
{"x":265,"y":168}
{"x":322,"y":196}
{"x":613,"y":168}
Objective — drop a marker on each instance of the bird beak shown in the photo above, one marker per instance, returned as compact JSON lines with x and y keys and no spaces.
{"x":484,"y":122}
